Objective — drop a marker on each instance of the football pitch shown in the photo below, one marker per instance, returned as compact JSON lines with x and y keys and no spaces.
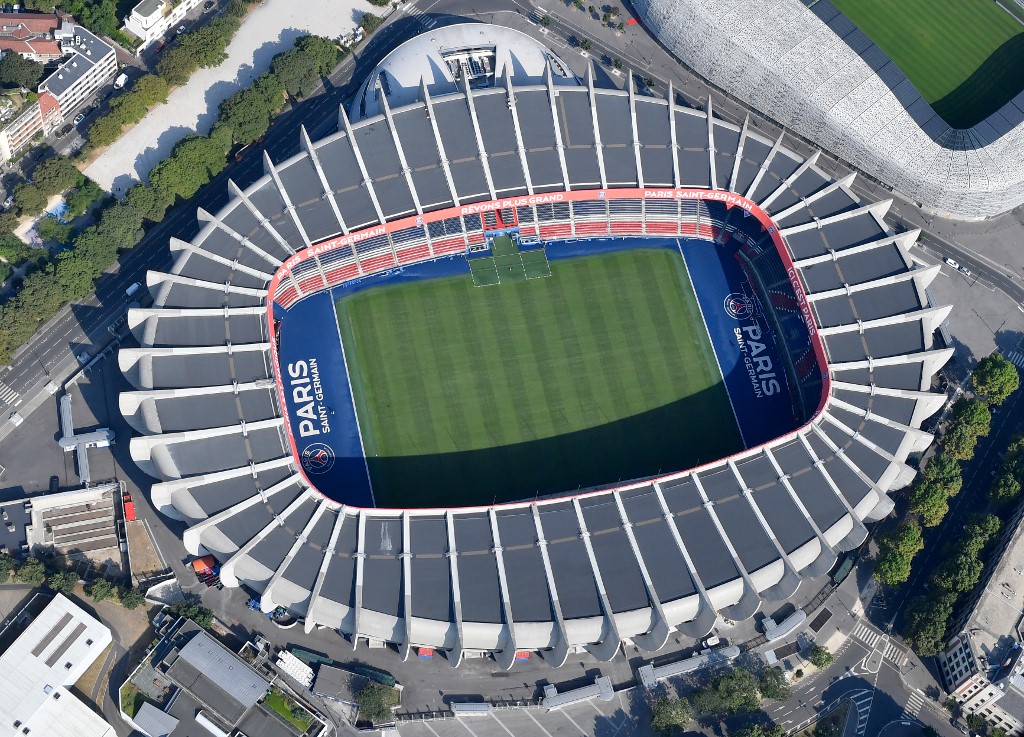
{"x":467,"y":395}
{"x":964,"y":56}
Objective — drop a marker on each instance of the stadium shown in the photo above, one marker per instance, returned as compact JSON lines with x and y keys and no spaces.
{"x":805,"y":64}
{"x":693,"y":365}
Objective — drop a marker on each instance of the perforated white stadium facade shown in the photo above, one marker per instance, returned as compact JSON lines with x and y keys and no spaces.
{"x":815,"y":72}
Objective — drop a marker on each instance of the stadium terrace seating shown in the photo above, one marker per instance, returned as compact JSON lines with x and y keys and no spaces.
{"x":639,"y":561}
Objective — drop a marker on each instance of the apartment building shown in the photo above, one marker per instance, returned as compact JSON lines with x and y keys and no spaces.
{"x":151,"y":20}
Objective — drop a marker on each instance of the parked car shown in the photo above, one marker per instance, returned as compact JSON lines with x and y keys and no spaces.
{"x":122,"y":78}
{"x":181,"y":30}
{"x":952,"y":263}
{"x":965,"y":271}
{"x":208,"y":6}
{"x":54,"y":484}
{"x":83,"y":357}
{"x":79,"y":118}
{"x":65,"y":130}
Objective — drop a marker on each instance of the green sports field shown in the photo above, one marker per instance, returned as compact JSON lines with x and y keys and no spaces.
{"x":965,"y":57}
{"x":470,"y":395}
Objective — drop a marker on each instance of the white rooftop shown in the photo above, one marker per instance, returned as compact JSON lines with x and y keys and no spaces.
{"x":431,"y":56}
{"x":37,"y":669}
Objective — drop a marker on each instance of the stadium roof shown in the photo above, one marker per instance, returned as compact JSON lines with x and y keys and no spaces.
{"x":440,"y":58}
{"x":38,"y":669}
{"x":633,"y":562}
{"x":808,"y":66}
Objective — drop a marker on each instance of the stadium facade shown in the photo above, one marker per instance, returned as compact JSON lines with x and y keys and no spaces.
{"x":630,"y":563}
{"x":814,"y":71}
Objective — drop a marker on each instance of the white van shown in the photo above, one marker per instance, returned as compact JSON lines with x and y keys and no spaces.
{"x":122,"y":78}
{"x":132,"y":289}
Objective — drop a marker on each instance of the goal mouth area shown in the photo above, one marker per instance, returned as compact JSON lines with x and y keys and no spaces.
{"x":310,"y":410}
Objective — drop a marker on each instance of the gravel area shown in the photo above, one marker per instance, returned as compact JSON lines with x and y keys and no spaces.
{"x":271,"y":28}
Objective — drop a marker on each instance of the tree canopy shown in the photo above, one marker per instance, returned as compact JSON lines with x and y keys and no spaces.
{"x":995,"y":378}
{"x":820,"y":657}
{"x":897,"y":549}
{"x":969,"y":420}
{"x":728,"y":693}
{"x":670,"y":715}
{"x":773,"y":685}
{"x":63,"y":582}
{"x":17,"y":71}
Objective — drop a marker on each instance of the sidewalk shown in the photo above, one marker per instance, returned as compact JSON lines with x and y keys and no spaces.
{"x":269,"y":29}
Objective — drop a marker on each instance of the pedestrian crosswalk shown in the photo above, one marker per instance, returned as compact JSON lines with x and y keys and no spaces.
{"x":413,"y":12}
{"x":866,"y":634}
{"x":895,"y":653}
{"x":862,"y":703}
{"x":8,"y":395}
{"x":913,"y":705}
{"x":1016,"y":359}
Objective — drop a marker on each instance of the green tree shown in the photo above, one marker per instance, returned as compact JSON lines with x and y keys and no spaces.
{"x":193,"y":162}
{"x":773,"y":685}
{"x":820,"y":657}
{"x":728,"y":693}
{"x":670,"y":715}
{"x":152,"y":89}
{"x":370,"y":22}
{"x":17,"y":71}
{"x":586,"y":44}
{"x":375,"y":701}
{"x":969,"y":420}
{"x":106,"y":129}
{"x":930,"y":500}
{"x":32,"y":571}
{"x":959,"y":573}
{"x":203,"y":47}
{"x":759,"y":730}
{"x":8,"y":221}
{"x":63,"y":582}
{"x":52,"y":229}
{"x":83,"y":198}
{"x":995,"y":378}
{"x":193,"y":609}
{"x":994,"y":732}
{"x":56,"y":175}
{"x":132,"y":598}
{"x":617,"y":63}
{"x":943,"y":470}
{"x":925,"y":621}
{"x":146,"y":202}
{"x":545,"y":21}
{"x":897,"y":550}
{"x":247,"y":113}
{"x":100,"y":589}
{"x":975,"y":722}
{"x":323,"y":52}
{"x":296,"y":72}
{"x":29,"y":199}
{"x":1005,"y":490}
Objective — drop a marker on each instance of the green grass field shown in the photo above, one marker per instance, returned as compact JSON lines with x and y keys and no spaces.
{"x":470,"y":395}
{"x":965,"y":57}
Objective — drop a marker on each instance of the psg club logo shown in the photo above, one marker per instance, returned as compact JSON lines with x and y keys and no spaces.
{"x":318,"y":458}
{"x":739,"y":306}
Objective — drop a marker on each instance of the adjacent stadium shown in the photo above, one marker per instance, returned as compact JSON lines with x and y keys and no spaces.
{"x":963,"y":56}
{"x":517,"y":361}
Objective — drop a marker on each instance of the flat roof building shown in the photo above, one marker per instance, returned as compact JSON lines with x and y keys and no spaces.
{"x":38,"y":669}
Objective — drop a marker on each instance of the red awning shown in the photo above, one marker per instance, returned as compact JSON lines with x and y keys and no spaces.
{"x":201,"y":565}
